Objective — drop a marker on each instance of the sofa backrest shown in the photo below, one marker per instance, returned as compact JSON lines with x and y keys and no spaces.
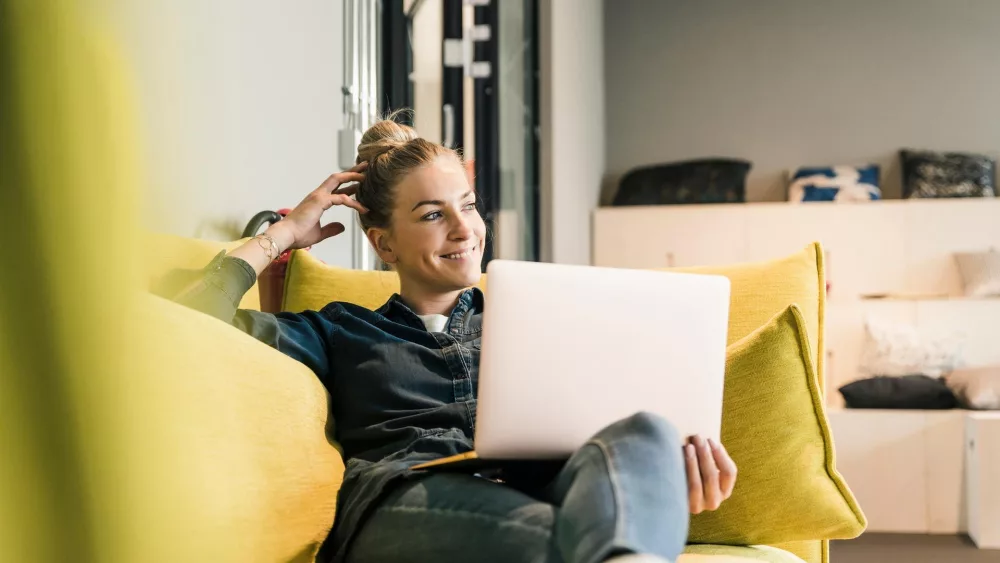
{"x":310,"y":285}
{"x":760,"y":290}
{"x":169,"y":256}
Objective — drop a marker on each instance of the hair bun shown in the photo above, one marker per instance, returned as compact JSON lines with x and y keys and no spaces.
{"x":383,"y":137}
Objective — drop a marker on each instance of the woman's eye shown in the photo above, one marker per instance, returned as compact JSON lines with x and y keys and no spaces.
{"x":470,"y":206}
{"x":432,"y":216}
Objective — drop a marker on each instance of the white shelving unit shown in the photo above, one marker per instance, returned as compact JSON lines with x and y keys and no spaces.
{"x":900,"y":247}
{"x":982,"y":446}
{"x":907,"y":468}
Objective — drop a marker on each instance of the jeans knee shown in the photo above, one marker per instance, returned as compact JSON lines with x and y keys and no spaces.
{"x":647,"y":427}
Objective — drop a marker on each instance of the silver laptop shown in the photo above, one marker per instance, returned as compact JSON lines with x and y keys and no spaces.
{"x":567,"y":350}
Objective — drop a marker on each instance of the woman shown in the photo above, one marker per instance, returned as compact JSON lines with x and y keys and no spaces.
{"x":403,"y":385}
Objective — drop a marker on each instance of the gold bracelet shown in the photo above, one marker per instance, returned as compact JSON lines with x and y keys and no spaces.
{"x":271,"y":248}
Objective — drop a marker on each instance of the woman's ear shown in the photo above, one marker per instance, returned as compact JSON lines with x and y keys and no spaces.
{"x":379,"y":239}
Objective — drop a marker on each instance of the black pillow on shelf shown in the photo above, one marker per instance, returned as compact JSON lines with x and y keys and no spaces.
{"x":906,"y":392}
{"x":709,"y":180}
{"x":929,"y":174}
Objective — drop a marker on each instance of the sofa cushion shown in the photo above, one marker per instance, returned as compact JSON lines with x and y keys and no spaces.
{"x":812,"y":551}
{"x":310,"y":285}
{"x":761,"y":290}
{"x":171,"y":258}
{"x":250,"y":443}
{"x":776,"y":431}
{"x":736,"y":554}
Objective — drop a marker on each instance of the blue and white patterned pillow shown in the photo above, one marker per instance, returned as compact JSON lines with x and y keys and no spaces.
{"x":835,"y":183}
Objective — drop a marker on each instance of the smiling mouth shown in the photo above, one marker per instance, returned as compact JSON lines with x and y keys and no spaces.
{"x":459,"y":255}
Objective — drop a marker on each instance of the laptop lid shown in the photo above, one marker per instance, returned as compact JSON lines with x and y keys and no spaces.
{"x":568,"y":350}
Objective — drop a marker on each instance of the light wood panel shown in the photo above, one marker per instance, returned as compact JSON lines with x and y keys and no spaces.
{"x":944,"y":450}
{"x":983,"y":488}
{"x":936,"y":229}
{"x":646,"y":238}
{"x":879,"y":247}
{"x":905,"y":467}
{"x":885,"y":468}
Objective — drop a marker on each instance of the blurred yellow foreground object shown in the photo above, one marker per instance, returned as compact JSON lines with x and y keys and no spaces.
{"x":87,"y":469}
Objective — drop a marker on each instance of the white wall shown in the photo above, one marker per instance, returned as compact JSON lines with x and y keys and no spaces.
{"x":241,"y":105}
{"x":786,"y":83}
{"x":571,"y":60}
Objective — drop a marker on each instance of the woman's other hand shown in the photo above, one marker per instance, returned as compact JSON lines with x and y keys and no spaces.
{"x":302,"y":226}
{"x":711,"y":474}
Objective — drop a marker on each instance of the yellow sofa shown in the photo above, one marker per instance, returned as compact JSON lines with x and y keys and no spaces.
{"x":135,"y":429}
{"x":265,"y":434}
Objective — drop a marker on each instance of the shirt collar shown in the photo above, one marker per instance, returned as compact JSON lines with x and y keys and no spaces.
{"x":395,"y":309}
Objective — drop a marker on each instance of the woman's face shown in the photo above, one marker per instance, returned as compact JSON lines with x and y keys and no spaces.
{"x":436,"y":235}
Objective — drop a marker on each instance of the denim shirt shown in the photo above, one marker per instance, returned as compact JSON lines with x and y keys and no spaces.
{"x":400,"y":395}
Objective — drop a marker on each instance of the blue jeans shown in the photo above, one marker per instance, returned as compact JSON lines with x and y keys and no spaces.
{"x":624,"y":491}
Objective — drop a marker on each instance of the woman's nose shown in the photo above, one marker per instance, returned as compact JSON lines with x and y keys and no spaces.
{"x":461,"y":228}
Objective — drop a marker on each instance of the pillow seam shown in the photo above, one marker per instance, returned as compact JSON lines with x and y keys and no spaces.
{"x":818,"y":410}
{"x":821,"y":314}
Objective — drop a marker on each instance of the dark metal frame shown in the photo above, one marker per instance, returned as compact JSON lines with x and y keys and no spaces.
{"x":397,"y":57}
{"x":487,"y":124}
{"x":397,"y":65}
{"x":452,"y":95}
{"x":533,"y":141}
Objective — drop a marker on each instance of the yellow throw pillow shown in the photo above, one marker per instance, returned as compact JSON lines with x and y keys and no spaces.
{"x":310,"y":285}
{"x":250,"y":447}
{"x":775,"y":429}
{"x":166,"y":253}
{"x":761,"y":290}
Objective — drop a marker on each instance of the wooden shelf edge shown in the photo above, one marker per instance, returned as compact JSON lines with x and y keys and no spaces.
{"x":924,"y":297}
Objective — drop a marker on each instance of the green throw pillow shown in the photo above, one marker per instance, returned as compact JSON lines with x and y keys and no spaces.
{"x":775,"y":429}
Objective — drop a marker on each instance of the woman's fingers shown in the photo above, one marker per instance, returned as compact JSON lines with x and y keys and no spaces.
{"x":727,"y":468}
{"x":709,"y":474}
{"x":336,"y":193}
{"x":331,"y":230}
{"x":696,"y":496}
{"x":331,"y":184}
{"x":347,"y":201}
{"x":349,"y":189}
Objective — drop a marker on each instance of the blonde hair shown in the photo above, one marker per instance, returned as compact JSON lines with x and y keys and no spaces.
{"x":392,"y":151}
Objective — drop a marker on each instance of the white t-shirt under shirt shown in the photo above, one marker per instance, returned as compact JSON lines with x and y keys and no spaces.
{"x":434,"y":323}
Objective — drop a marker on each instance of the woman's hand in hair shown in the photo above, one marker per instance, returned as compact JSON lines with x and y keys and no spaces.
{"x":711,"y":474}
{"x":302,"y":227}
